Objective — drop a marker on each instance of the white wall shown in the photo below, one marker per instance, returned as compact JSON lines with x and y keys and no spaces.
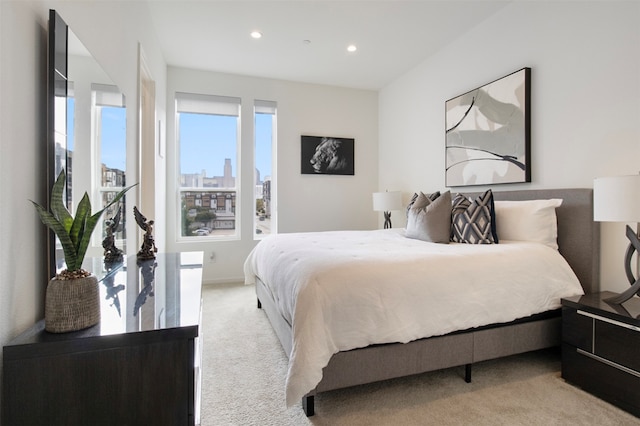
{"x":305,"y":202}
{"x":111,"y":31}
{"x":585,"y":101}
{"x":22,"y":163}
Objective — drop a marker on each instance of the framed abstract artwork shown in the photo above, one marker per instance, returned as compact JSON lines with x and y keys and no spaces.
{"x":324,"y":155}
{"x":488,"y":133}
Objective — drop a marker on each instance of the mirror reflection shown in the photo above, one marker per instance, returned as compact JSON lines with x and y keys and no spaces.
{"x":148,"y":272}
{"x":90,"y":125}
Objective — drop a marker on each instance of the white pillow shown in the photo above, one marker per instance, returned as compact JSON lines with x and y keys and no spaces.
{"x":531,"y":220}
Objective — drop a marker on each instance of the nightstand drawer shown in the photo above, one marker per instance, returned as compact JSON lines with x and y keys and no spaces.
{"x":600,"y":379}
{"x":618,"y":344}
{"x":577,"y":329}
{"x":601,"y":348}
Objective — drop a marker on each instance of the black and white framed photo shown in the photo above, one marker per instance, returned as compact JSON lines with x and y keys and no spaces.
{"x":488,"y":133}
{"x":325,"y":155}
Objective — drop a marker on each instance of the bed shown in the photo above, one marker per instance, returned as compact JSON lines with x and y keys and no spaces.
{"x":320,"y":361}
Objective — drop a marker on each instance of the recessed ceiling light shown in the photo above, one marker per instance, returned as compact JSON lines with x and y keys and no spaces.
{"x":351,"y":48}
{"x":256,"y":34}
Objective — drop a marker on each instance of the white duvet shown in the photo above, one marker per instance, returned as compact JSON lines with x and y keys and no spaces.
{"x":349,"y":289}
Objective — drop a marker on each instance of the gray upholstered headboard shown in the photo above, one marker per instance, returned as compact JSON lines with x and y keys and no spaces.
{"x":578,"y":234}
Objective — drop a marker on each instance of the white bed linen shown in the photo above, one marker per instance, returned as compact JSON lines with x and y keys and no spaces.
{"x":349,"y":289}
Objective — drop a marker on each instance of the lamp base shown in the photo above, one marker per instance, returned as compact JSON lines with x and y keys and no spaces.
{"x":634,"y":245}
{"x":387,"y":220}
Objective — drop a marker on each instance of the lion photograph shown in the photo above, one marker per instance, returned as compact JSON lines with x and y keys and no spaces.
{"x":327,"y":155}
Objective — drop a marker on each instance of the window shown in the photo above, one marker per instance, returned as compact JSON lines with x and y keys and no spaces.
{"x":208,"y":133}
{"x":110,"y":136}
{"x":264,"y":194}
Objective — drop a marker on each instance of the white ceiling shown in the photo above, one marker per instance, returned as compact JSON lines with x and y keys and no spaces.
{"x":392,"y":36}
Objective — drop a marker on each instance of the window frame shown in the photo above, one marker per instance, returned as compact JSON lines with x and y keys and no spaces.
{"x":109,"y":96}
{"x":193,"y":103}
{"x":265,"y":107}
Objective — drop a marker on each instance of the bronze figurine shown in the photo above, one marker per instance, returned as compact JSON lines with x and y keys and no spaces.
{"x":148,"y":249}
{"x":112,"y":254}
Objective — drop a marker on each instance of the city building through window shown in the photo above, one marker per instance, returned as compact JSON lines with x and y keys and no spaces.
{"x":264,"y":155}
{"x":208,"y":134}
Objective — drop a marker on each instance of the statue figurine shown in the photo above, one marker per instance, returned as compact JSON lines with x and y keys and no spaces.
{"x":148,"y":249}
{"x":112,"y":254}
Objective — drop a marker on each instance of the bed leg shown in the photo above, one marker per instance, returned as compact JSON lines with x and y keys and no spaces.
{"x":259,"y":304}
{"x":467,"y":373}
{"x":307,"y":405}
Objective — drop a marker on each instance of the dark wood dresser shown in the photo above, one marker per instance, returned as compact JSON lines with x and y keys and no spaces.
{"x":139,"y":366}
{"x":601,"y":348}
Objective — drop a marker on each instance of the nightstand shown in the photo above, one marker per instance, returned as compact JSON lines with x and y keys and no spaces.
{"x":601,"y":348}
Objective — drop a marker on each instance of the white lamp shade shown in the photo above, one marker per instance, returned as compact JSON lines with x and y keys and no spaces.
{"x":387,"y":201}
{"x":616,"y":199}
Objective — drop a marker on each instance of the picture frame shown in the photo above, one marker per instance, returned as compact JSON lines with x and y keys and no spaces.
{"x":488,"y":133}
{"x":327,"y":155}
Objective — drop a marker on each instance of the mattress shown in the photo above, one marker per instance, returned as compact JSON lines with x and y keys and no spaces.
{"x":344,"y":290}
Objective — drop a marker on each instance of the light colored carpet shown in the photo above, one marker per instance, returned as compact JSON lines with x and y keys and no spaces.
{"x":244,"y":368}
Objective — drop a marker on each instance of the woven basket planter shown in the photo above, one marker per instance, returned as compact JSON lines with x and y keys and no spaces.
{"x":72,"y":305}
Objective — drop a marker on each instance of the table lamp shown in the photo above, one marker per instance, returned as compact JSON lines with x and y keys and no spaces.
{"x":617,"y":199}
{"x":385,"y":202}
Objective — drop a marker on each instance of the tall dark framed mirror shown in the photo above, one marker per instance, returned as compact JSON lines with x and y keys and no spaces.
{"x":57,"y":79}
{"x":86,"y":133}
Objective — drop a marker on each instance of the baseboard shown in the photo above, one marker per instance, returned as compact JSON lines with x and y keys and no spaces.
{"x":224,"y":281}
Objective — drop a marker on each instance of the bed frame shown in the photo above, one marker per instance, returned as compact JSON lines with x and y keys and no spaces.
{"x":579,"y":243}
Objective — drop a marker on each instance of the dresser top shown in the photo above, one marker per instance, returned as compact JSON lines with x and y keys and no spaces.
{"x":628,"y":312}
{"x":161,"y":295}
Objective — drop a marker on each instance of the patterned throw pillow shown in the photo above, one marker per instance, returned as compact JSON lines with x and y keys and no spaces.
{"x":474,"y":222}
{"x":431,"y":197}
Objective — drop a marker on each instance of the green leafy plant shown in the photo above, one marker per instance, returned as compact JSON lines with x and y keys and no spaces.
{"x":74,"y":233}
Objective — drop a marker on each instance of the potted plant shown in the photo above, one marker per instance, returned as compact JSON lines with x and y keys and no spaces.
{"x":72,"y":298}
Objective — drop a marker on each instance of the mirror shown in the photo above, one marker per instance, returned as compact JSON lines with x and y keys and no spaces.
{"x":86,"y":133}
